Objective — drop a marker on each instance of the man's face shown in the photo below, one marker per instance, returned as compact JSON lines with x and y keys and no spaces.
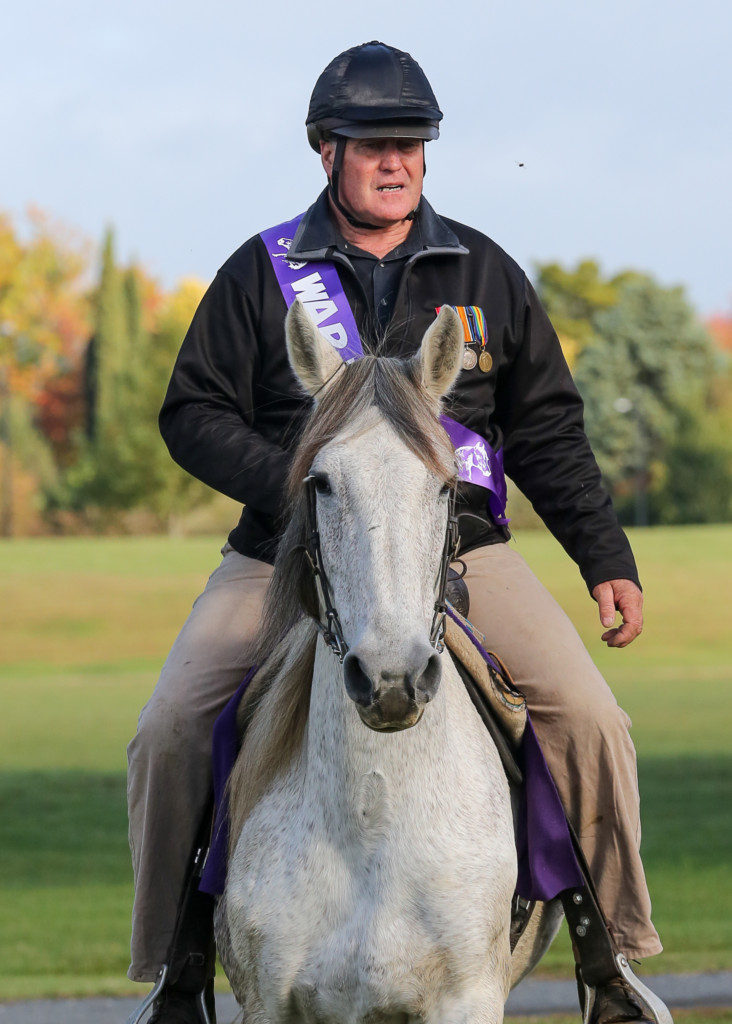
{"x":381,"y":179}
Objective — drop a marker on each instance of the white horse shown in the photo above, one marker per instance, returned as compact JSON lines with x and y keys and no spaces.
{"x":372,"y":859}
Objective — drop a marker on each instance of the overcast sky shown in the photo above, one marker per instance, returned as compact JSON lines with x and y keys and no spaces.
{"x":183,"y":124}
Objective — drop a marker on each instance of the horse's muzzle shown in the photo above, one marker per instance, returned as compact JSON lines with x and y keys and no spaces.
{"x":389,"y":700}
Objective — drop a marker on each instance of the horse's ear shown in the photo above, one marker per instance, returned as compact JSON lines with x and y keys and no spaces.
{"x":440,"y":355}
{"x":312,"y":357}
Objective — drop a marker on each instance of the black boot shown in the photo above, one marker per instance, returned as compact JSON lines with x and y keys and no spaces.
{"x":188,"y":996}
{"x":184,"y":992}
{"x":609,"y":991}
{"x":177,"y":1006}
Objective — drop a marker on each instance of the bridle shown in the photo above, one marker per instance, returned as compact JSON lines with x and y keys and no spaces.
{"x":331,"y":629}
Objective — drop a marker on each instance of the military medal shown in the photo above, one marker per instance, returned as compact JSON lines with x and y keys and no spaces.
{"x":475,"y":333}
{"x":469,"y":358}
{"x":485,"y":360}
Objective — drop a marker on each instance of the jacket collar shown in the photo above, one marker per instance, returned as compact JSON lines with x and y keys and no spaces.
{"x":317,"y":236}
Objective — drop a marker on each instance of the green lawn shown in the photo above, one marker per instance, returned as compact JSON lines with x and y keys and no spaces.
{"x":86,"y":623}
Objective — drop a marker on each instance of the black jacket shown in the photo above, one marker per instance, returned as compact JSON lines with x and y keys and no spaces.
{"x":233,"y":409}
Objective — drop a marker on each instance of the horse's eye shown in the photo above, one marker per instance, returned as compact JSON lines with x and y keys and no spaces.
{"x":322,"y":484}
{"x":445,"y":489}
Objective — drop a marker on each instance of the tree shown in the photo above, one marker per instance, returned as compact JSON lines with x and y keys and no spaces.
{"x":108,"y":348}
{"x":44,"y":319}
{"x":650,"y":359}
{"x":572,"y":298}
{"x":696,"y":483}
{"x":124,"y":465}
{"x":174,"y":492}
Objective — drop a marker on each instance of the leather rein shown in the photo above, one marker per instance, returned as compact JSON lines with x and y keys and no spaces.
{"x":331,"y":629}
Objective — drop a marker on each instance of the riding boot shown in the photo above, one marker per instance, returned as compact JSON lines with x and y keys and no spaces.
{"x":188,"y":996}
{"x":178,"y":1006}
{"x":184,"y":991}
{"x":609,"y":991}
{"x":618,"y":1002}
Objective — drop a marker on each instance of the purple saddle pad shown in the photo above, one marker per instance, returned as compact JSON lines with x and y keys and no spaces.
{"x":546,"y":861}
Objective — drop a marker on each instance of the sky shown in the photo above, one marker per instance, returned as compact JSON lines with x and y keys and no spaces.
{"x":182,"y":124}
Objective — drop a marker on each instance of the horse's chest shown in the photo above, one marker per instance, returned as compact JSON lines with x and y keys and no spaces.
{"x":346,"y":916}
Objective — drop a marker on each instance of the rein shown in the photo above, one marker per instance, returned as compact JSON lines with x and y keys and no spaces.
{"x":331,"y":629}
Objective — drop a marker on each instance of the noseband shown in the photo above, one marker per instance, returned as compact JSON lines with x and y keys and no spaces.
{"x":331,"y":629}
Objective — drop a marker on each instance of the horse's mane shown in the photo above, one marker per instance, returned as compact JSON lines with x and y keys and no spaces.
{"x":274,"y":712}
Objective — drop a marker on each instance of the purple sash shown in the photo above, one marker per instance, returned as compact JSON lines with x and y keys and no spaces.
{"x":320,"y":290}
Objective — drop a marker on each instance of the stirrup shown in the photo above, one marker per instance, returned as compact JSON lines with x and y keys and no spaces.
{"x":157,"y":990}
{"x":656,"y":1006}
{"x":136,"y":1016}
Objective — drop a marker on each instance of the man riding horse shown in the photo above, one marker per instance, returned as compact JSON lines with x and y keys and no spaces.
{"x":232,"y":416}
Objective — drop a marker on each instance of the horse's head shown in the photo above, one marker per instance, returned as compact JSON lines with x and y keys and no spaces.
{"x":382,"y":467}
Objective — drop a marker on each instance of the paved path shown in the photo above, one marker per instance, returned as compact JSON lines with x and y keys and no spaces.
{"x":532,"y":997}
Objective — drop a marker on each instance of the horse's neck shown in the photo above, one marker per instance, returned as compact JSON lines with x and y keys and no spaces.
{"x":347,"y":763}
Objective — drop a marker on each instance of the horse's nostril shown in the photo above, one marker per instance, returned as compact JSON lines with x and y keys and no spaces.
{"x":427,"y":682}
{"x":359,"y":685}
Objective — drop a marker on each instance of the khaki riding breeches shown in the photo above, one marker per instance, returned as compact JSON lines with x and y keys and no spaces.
{"x":583,"y":732}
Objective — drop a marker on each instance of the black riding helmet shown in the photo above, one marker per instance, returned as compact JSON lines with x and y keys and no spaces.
{"x":370,"y":91}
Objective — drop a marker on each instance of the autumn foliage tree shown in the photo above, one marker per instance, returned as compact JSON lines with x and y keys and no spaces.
{"x":653,"y":390}
{"x":44,"y":324}
{"x":83,"y":371}
{"x":122,"y":464}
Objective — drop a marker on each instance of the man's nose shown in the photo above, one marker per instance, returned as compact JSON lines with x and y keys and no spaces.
{"x":391,"y":158}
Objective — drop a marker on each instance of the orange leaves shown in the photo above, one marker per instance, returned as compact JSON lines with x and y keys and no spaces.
{"x":44,"y":305}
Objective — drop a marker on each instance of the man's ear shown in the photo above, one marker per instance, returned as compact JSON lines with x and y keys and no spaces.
{"x":327,"y":155}
{"x":312,"y":357}
{"x":440,"y":355}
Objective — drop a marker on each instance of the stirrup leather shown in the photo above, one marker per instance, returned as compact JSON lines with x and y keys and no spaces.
{"x":596,"y":955}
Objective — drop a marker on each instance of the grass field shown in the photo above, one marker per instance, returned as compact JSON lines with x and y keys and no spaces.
{"x":86,"y":623}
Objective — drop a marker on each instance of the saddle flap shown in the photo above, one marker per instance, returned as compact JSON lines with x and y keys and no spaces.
{"x":490,"y":675}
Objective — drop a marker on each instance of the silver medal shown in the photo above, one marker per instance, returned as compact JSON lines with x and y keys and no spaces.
{"x":469,"y":358}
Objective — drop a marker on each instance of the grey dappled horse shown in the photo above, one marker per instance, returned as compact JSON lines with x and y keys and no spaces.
{"x":372,"y":859}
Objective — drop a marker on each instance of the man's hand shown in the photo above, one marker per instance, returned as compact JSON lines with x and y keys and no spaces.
{"x":628,"y":599}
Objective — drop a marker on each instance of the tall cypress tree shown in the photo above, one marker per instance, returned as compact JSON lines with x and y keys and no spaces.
{"x":133,"y":312}
{"x":108,"y":349}
{"x":132,"y":377}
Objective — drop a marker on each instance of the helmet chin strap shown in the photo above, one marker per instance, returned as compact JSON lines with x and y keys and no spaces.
{"x":335,"y":174}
